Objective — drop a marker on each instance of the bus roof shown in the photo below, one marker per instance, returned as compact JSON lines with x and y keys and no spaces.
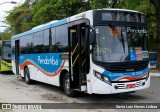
{"x":116,"y":9}
{"x":43,"y":27}
{"x":63,"y":21}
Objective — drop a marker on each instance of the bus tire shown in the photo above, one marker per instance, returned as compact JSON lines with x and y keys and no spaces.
{"x":27,"y":76}
{"x":66,"y":86}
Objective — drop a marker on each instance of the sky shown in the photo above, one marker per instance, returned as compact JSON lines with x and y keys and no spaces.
{"x":6,"y":7}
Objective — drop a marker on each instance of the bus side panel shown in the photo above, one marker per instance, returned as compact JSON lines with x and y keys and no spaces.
{"x":22,"y":73}
{"x":32,"y":72}
{"x":40,"y":76}
{"x":56,"y":79}
{"x":43,"y":67}
{"x":23,"y":64}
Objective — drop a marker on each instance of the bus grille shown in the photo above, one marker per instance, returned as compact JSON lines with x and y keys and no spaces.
{"x":123,"y":86}
{"x":127,"y":66}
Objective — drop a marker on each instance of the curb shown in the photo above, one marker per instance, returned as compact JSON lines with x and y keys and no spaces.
{"x":155,"y":74}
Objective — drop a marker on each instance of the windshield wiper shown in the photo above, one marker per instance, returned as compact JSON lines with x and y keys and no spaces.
{"x":116,"y":33}
{"x":122,"y":40}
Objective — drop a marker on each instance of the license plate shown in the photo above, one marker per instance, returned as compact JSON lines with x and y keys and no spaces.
{"x":130,"y":86}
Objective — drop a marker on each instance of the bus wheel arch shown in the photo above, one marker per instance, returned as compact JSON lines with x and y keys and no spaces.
{"x":62,"y":74}
{"x":66,"y":86}
{"x":27,"y":75}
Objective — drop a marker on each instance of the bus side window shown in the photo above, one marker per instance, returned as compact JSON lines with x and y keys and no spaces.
{"x":62,"y":38}
{"x":53,"y":36}
{"x":38,"y":42}
{"x":23,"y":44}
{"x":46,"y":41}
{"x":13,"y":47}
{"x":29,"y":45}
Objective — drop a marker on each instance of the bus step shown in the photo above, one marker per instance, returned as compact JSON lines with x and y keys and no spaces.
{"x":85,"y":81}
{"x":84,"y":88}
{"x":76,"y":89}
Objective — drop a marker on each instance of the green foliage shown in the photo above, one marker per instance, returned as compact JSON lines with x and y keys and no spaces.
{"x":19,"y":19}
{"x":33,"y":13}
{"x":6,"y":35}
{"x":97,"y":4}
{"x":41,"y":16}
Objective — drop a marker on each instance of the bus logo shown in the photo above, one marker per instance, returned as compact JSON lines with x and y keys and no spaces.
{"x":47,"y":61}
{"x":129,"y":70}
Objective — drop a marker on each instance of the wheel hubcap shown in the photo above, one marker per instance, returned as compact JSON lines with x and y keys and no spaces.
{"x":26,"y":77}
{"x":67,"y":84}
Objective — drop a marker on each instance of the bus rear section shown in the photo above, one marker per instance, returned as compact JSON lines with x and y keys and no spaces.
{"x":5,"y":58}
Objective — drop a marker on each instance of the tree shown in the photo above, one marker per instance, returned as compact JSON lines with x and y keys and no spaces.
{"x":97,"y":4}
{"x":156,"y":4}
{"x":19,"y":19}
{"x":56,"y":9}
{"x":6,"y":34}
{"x":36,"y":12}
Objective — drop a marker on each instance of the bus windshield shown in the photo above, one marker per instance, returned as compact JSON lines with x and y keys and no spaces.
{"x":6,"y":54}
{"x":115,"y":43}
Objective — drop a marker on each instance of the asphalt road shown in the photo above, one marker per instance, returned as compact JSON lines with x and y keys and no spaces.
{"x":13,"y":90}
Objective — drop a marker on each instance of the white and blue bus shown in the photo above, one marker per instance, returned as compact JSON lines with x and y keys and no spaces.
{"x":101,"y":51}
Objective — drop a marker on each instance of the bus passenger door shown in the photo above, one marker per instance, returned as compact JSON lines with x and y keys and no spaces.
{"x":79,"y":54}
{"x":17,"y":52}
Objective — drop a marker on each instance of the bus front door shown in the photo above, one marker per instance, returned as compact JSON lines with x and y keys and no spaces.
{"x":17,"y":56}
{"x":79,"y":55}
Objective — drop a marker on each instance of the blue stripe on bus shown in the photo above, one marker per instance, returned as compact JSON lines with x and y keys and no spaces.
{"x":49,"y":62}
{"x":60,"y":22}
{"x":126,"y":75}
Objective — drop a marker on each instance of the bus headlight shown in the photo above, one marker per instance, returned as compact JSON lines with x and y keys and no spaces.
{"x":147,"y":75}
{"x":98,"y":75}
{"x":106,"y":78}
{"x":102,"y":77}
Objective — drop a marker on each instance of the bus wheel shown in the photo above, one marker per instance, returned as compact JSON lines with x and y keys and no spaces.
{"x":27,"y":76}
{"x":66,"y":86}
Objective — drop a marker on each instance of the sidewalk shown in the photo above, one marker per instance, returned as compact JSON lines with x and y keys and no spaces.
{"x":155,"y":74}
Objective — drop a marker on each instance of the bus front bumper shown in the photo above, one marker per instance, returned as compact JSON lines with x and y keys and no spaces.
{"x":100,"y":87}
